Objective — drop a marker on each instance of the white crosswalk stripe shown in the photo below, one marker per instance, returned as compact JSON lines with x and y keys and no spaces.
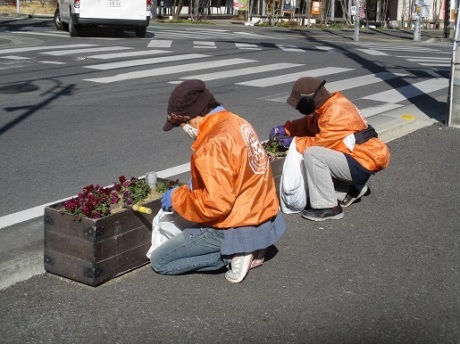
{"x":170,"y":70}
{"x":293,"y":48}
{"x":32,"y":49}
{"x":288,"y":78}
{"x":379,"y":47}
{"x":83,"y":51}
{"x":387,"y":100}
{"x":429,"y":61}
{"x":248,"y":46}
{"x":243,"y":71}
{"x":143,"y":62}
{"x":157,"y":43}
{"x":204,"y":44}
{"x":205,"y":33}
{"x":128,"y":54}
{"x":409,"y":91}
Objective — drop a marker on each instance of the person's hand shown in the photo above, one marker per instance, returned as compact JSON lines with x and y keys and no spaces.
{"x":277,"y":133}
{"x":166,"y":200}
{"x":285,"y":142}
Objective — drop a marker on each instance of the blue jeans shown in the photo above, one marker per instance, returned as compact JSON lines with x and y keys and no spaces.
{"x":187,"y":252}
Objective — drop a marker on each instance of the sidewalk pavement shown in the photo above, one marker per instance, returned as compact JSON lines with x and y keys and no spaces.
{"x":388,"y":272}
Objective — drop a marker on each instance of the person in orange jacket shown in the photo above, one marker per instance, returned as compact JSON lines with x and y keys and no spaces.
{"x":231,"y":196}
{"x":341,"y":151}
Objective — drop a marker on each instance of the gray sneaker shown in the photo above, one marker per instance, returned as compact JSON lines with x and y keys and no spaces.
{"x":240,"y":266}
{"x":323,"y":214}
{"x":354,"y":195}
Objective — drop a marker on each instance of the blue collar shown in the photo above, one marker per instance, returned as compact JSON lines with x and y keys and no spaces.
{"x":217,"y":109}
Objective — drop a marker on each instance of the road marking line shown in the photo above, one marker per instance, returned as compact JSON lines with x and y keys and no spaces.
{"x":160,"y":44}
{"x":292,"y":48}
{"x":346,"y":84}
{"x":288,"y":78}
{"x":248,"y":46}
{"x":11,"y":57}
{"x":142,"y":62}
{"x":83,"y":51}
{"x":242,"y":71}
{"x":410,"y":91}
{"x":128,"y":54}
{"x":24,"y":50}
{"x":204,"y":44}
{"x":373,"y":52}
{"x":170,"y":70}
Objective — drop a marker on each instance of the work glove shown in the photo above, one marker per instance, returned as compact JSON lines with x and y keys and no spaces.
{"x":166,"y":200}
{"x":277,"y":133}
{"x":366,"y":134}
{"x":285,"y":142}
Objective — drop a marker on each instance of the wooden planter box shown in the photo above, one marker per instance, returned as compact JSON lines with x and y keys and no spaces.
{"x":93,"y":251}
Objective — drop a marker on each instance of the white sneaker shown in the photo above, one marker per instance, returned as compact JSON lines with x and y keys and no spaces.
{"x":240,"y":265}
{"x":258,"y":258}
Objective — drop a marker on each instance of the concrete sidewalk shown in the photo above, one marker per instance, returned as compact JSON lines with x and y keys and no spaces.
{"x":388,"y":272}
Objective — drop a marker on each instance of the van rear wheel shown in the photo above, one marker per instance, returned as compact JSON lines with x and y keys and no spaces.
{"x":141,"y":31}
{"x":73,"y":29}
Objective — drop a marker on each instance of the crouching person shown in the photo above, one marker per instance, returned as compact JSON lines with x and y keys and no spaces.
{"x":341,"y":151}
{"x":231,"y":197}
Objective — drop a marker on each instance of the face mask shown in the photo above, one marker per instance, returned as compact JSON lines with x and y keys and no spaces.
{"x":306,"y":103}
{"x":190,"y":131}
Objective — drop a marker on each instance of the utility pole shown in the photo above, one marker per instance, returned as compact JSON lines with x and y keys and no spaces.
{"x":453,"y":115}
{"x":355,"y":10}
{"x":417,"y":18}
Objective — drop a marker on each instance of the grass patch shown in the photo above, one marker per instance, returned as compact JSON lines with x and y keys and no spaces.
{"x":29,"y":8}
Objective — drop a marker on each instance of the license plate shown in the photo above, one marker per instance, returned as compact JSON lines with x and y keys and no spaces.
{"x":113,"y":4}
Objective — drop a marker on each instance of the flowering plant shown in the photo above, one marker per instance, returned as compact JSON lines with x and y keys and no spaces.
{"x":274,"y":149}
{"x":163,"y":186}
{"x":132,"y":190}
{"x":95,"y":201}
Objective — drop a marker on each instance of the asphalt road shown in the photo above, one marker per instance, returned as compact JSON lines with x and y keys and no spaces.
{"x":386,"y":273}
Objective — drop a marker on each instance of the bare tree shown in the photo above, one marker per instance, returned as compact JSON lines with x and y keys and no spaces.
{"x":176,"y":9}
{"x":346,"y":13}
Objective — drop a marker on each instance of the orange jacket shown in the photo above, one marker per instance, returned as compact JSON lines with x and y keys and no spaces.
{"x":231,"y":177}
{"x":337,"y":118}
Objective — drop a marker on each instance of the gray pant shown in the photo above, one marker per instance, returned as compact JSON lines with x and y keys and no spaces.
{"x":328,"y":176}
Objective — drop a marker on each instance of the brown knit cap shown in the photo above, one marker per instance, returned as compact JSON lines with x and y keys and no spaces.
{"x":187,"y":100}
{"x":308,"y":85}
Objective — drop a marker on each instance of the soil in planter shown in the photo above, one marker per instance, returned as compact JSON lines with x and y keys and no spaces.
{"x":118,"y":207}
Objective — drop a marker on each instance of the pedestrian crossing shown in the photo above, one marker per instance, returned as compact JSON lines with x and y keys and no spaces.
{"x":206,"y":38}
{"x":117,"y":63}
{"x":443,"y":61}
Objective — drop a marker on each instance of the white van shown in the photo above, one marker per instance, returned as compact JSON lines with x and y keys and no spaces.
{"x":71,"y":15}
